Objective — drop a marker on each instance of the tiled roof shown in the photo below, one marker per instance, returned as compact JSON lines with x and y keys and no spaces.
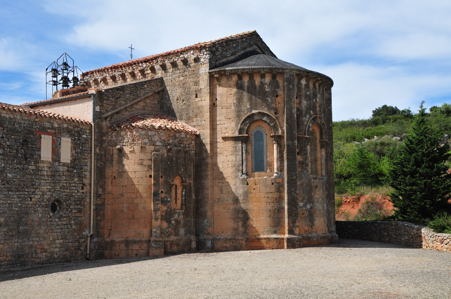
{"x":66,"y":95}
{"x":40,"y":113}
{"x":260,"y":61}
{"x":70,"y":91}
{"x":181,"y":50}
{"x":161,"y":124}
{"x":263,"y":61}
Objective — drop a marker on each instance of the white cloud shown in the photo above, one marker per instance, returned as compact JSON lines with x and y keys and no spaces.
{"x":11,"y":86}
{"x":408,"y":30}
{"x":291,"y":26}
{"x":19,"y":55}
{"x":423,"y":45}
{"x":359,"y":89}
{"x":9,"y":58}
{"x":398,"y":29}
{"x":377,"y":52}
{"x":29,"y":88}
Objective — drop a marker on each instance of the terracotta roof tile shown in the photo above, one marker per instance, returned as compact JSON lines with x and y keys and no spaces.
{"x":160,"y":124}
{"x":70,"y":91}
{"x":65,"y":97}
{"x":40,"y":113}
{"x":177,"y":51}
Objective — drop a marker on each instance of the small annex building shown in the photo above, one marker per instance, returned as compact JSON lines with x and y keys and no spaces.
{"x":215,"y":146}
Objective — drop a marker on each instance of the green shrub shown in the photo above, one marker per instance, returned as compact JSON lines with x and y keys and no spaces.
{"x":371,"y":209}
{"x":441,"y":223}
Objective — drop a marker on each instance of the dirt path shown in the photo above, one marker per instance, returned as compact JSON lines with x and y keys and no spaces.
{"x":350,"y":269}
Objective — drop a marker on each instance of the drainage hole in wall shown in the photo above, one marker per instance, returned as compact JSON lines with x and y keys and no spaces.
{"x":55,"y":206}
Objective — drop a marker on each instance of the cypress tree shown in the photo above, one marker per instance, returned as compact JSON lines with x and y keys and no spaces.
{"x":419,"y":174}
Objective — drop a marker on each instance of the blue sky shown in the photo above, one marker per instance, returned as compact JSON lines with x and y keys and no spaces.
{"x":394,"y":52}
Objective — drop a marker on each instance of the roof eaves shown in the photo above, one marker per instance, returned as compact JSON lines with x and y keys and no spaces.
{"x":68,"y":98}
{"x":41,"y":113}
{"x":160,"y":124}
{"x":145,"y":59}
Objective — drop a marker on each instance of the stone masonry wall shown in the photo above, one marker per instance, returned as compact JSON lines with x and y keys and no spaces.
{"x":185,"y":96}
{"x":44,"y":205}
{"x":149,"y":202}
{"x":311,"y":199}
{"x":437,"y":241}
{"x":185,"y":73}
{"x":395,"y":232}
{"x":402,"y":233}
{"x":151,"y":99}
{"x":113,"y":106}
{"x":186,"y":78}
{"x":247,"y":208}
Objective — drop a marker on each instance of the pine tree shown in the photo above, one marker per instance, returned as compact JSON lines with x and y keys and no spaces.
{"x":419,"y":174}
{"x":364,"y":167}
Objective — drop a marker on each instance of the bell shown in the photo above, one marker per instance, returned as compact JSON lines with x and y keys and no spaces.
{"x":55,"y":72}
{"x":75,"y":81}
{"x":65,"y":81}
{"x":64,"y":66}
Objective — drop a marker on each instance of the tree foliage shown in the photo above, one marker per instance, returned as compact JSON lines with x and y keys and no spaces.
{"x":388,"y":113}
{"x":419,"y":174}
{"x":385,"y":111}
{"x":356,"y":165}
{"x":381,"y":137}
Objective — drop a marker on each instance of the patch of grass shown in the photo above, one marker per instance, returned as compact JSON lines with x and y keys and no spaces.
{"x":361,"y":190}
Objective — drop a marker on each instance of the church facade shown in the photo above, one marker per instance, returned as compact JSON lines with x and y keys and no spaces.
{"x":215,"y":146}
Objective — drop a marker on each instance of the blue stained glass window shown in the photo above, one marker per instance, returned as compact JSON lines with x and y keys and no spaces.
{"x":258,"y":150}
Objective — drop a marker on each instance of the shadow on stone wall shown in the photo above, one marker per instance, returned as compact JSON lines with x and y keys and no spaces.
{"x":232,"y":229}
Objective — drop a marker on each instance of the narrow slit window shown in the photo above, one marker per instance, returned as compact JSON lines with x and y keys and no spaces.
{"x":177,"y":193}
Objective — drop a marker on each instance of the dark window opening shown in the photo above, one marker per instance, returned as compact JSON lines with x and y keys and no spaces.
{"x":258,"y":150}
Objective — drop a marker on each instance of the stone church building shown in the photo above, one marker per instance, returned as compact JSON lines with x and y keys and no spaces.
{"x":215,"y":146}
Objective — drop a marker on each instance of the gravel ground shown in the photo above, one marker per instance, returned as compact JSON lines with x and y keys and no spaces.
{"x":349,"y":269}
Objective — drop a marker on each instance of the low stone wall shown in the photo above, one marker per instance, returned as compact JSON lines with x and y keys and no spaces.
{"x":433,"y":240}
{"x":395,"y":232}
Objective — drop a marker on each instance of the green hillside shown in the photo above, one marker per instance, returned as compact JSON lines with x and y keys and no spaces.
{"x":364,"y":149}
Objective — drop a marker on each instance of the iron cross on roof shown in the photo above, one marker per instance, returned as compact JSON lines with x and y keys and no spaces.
{"x":131,"y":51}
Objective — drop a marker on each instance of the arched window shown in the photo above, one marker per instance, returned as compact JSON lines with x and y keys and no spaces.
{"x":259,"y":150}
{"x":260,"y":137}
